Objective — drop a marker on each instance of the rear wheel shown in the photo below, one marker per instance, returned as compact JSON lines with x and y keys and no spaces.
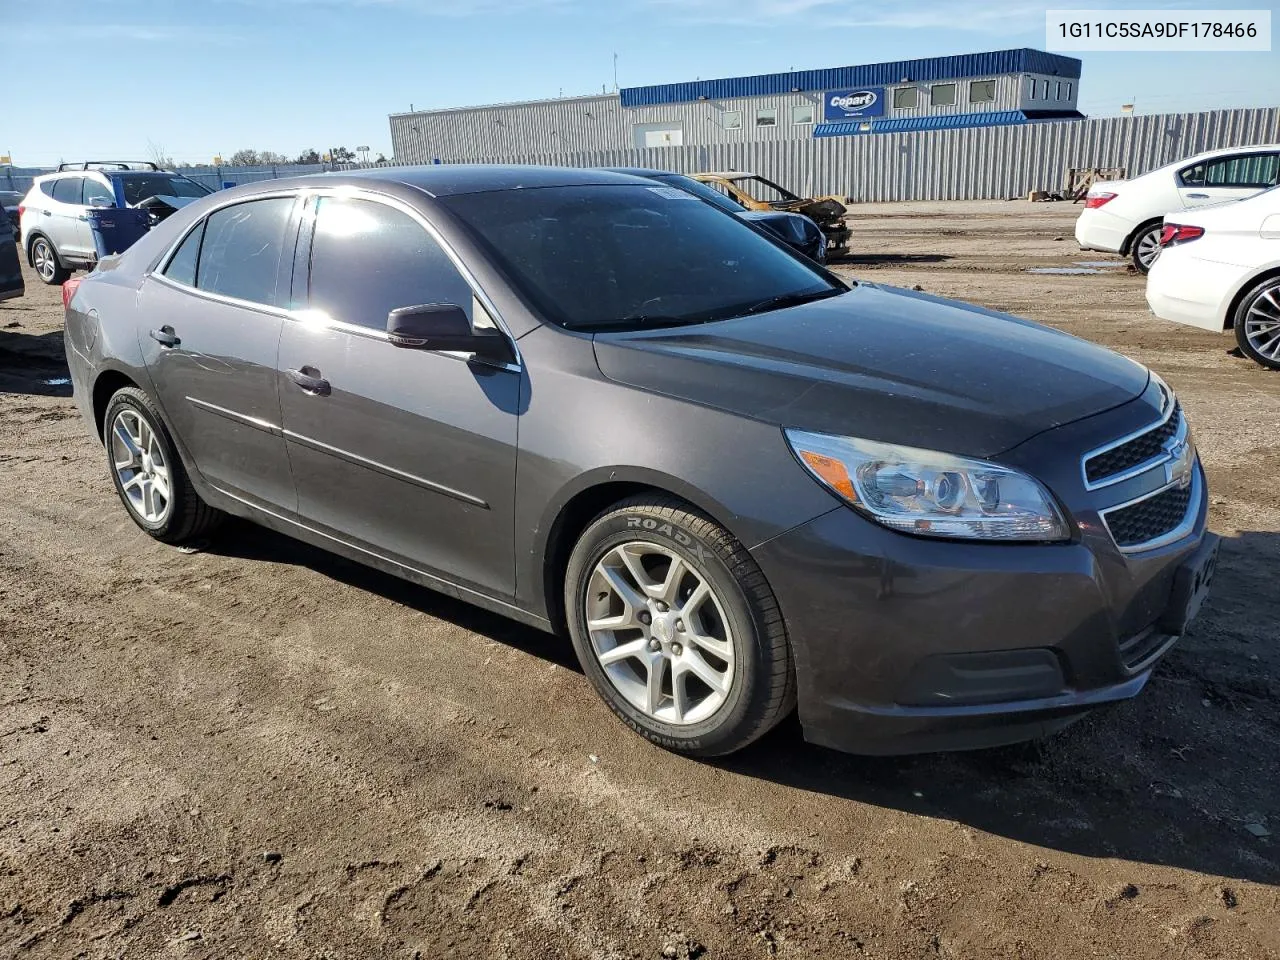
{"x":45,"y":259}
{"x":1146,"y":246}
{"x":1257,"y":324}
{"x":677,"y":629}
{"x":147,"y":473}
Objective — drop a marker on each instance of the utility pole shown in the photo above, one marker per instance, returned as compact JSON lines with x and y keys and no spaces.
{"x":615,"y":73}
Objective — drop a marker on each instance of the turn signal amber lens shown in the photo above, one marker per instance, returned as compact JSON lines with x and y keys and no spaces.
{"x":832,"y":472}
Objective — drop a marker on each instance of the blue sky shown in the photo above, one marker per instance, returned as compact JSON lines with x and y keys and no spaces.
{"x":206,"y":77}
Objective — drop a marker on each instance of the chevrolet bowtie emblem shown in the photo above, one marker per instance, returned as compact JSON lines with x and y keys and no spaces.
{"x":1178,"y":468}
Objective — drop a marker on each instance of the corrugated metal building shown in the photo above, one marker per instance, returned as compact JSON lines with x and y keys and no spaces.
{"x":1000,"y":88}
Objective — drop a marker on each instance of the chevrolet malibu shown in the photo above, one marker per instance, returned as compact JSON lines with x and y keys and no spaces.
{"x":604,"y":408}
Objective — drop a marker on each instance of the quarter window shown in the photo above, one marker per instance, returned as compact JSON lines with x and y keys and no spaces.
{"x":942,"y":94}
{"x":368,"y":259}
{"x":1251,"y":170}
{"x":182,"y":265}
{"x":67,"y":190}
{"x":732,"y":119}
{"x":802,"y":113}
{"x":240,"y":254}
{"x":904,"y":98}
{"x":982,"y":91}
{"x":767,"y":117}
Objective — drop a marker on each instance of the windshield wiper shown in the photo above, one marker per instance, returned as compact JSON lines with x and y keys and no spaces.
{"x":638,"y":320}
{"x":789,"y":300}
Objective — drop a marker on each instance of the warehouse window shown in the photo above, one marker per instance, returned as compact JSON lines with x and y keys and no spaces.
{"x":1031,"y":93}
{"x":904,"y":98}
{"x":1068,"y":96}
{"x":802,"y":113}
{"x":767,"y":117}
{"x":942,"y":94}
{"x":1045,"y":95}
{"x":732,"y":119}
{"x":982,"y":91}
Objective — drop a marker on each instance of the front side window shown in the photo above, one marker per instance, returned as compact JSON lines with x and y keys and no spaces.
{"x":767,"y":117}
{"x":802,"y":113}
{"x":904,"y":98}
{"x":982,"y":91}
{"x":182,"y":265}
{"x":1255,"y":170}
{"x":97,"y":194}
{"x":732,"y":119}
{"x":67,"y":190}
{"x":619,"y":257}
{"x":942,"y":94}
{"x":240,"y":254}
{"x":139,"y":188}
{"x":368,"y":259}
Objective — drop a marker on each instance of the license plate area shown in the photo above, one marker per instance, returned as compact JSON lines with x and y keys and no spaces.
{"x":1191,"y":586}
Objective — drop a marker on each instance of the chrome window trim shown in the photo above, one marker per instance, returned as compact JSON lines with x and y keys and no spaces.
{"x":1151,"y":464}
{"x":222,"y":298}
{"x":162,"y":262}
{"x":1177,"y":533}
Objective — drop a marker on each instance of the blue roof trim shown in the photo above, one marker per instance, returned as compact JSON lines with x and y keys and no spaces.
{"x":1023,"y":60}
{"x":950,"y":121}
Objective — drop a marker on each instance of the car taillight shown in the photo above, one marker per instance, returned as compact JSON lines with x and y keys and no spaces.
{"x":1095,"y":200}
{"x":21,"y":209}
{"x":1179,"y":233}
{"x":69,"y":288}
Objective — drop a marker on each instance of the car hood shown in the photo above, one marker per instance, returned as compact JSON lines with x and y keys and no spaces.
{"x":882,"y":364}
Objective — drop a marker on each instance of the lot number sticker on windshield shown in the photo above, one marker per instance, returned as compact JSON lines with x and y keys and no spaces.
{"x":672,"y":193}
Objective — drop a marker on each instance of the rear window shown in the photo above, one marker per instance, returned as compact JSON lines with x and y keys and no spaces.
{"x":139,"y":188}
{"x":240,"y":254}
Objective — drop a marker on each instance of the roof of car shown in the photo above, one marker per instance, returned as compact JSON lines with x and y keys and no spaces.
{"x":442,"y":180}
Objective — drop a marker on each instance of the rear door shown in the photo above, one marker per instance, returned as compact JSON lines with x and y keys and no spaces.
{"x":410,"y":453}
{"x":212,"y":316}
{"x":1232,"y":177}
{"x":66,"y":224}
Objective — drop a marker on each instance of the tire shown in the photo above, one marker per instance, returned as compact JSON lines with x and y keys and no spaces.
{"x":185,"y":517}
{"x":1259,"y":340}
{"x":47,"y":263}
{"x":1140,"y":248}
{"x":735,"y":634}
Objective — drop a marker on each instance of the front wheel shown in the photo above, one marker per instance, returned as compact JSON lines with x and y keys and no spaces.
{"x":677,"y":629}
{"x":45,"y":259}
{"x":1146,"y":247}
{"x":1257,"y":324}
{"x":148,"y":476}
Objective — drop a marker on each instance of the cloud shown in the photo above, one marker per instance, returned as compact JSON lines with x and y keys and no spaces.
{"x":135,"y":33}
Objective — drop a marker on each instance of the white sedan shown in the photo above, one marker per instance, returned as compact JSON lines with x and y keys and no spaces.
{"x":1219,"y":269}
{"x":1125,"y":216}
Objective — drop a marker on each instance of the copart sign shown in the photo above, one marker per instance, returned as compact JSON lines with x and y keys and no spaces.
{"x":850,"y":104}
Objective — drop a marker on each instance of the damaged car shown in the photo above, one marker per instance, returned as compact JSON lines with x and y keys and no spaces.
{"x":57,"y":216}
{"x":758,"y":193}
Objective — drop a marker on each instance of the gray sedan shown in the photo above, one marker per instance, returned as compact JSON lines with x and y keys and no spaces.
{"x":607,"y":409}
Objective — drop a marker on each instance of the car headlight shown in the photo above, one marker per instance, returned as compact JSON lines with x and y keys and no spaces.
{"x":931,"y":494}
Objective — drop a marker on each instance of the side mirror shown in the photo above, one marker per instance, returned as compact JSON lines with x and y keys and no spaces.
{"x":444,"y":327}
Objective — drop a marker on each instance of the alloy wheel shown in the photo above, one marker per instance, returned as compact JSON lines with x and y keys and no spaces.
{"x":1149,"y":248}
{"x":1262,"y":323}
{"x":45,"y":261}
{"x":660,"y":633}
{"x":140,"y":465}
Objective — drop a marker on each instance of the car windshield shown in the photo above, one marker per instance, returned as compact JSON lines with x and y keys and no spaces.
{"x":139,"y":188}
{"x":621,"y":257}
{"x":700,"y":189}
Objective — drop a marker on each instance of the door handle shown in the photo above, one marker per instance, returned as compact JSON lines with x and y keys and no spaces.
{"x":310,"y":381}
{"x":165,"y":337}
{"x":1198,"y":196}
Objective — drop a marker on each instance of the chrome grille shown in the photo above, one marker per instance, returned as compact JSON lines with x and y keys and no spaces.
{"x":1134,"y":454}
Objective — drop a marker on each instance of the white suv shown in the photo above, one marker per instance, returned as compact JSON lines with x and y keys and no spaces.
{"x":1125,"y":216}
{"x":56,"y":238}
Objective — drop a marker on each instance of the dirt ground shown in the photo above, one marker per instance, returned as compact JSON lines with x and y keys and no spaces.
{"x":259,"y":750}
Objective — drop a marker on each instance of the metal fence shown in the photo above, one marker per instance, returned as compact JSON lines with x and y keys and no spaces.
{"x":974,"y":164}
